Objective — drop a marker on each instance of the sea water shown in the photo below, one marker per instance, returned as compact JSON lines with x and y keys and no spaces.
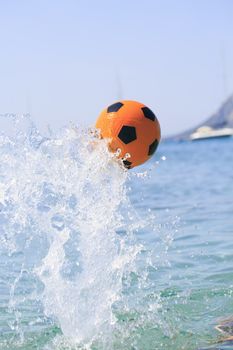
{"x":93,"y":256}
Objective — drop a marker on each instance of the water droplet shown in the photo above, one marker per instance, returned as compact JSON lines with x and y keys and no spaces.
{"x":58,"y":222}
{"x":118,"y":152}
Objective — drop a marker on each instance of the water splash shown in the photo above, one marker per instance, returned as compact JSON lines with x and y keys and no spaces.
{"x":75,"y":269}
{"x":62,"y":204}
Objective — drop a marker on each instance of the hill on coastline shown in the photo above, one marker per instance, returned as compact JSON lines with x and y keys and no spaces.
{"x":223,"y":118}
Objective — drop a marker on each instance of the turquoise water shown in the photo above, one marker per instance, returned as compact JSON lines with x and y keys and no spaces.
{"x":96,"y":257}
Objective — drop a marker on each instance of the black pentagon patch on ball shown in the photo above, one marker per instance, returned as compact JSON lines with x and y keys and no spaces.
{"x":115,"y":107}
{"x":153,"y":147}
{"x":127,"y":134}
{"x":127,"y":164}
{"x":148,"y":113}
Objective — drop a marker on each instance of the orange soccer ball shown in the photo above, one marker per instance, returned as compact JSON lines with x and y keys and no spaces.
{"x":132,"y":129}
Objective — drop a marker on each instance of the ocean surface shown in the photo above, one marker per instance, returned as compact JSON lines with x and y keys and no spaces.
{"x":96,"y":257}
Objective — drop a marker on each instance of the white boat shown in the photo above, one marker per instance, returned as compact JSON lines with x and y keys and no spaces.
{"x":206,"y":132}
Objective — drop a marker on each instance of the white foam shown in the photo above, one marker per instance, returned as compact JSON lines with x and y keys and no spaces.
{"x":66,"y":194}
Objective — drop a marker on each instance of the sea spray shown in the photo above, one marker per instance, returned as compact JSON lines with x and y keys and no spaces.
{"x":77,"y":271}
{"x":64,"y":206}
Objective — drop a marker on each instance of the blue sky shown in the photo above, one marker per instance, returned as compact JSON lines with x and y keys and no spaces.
{"x":66,"y":60}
